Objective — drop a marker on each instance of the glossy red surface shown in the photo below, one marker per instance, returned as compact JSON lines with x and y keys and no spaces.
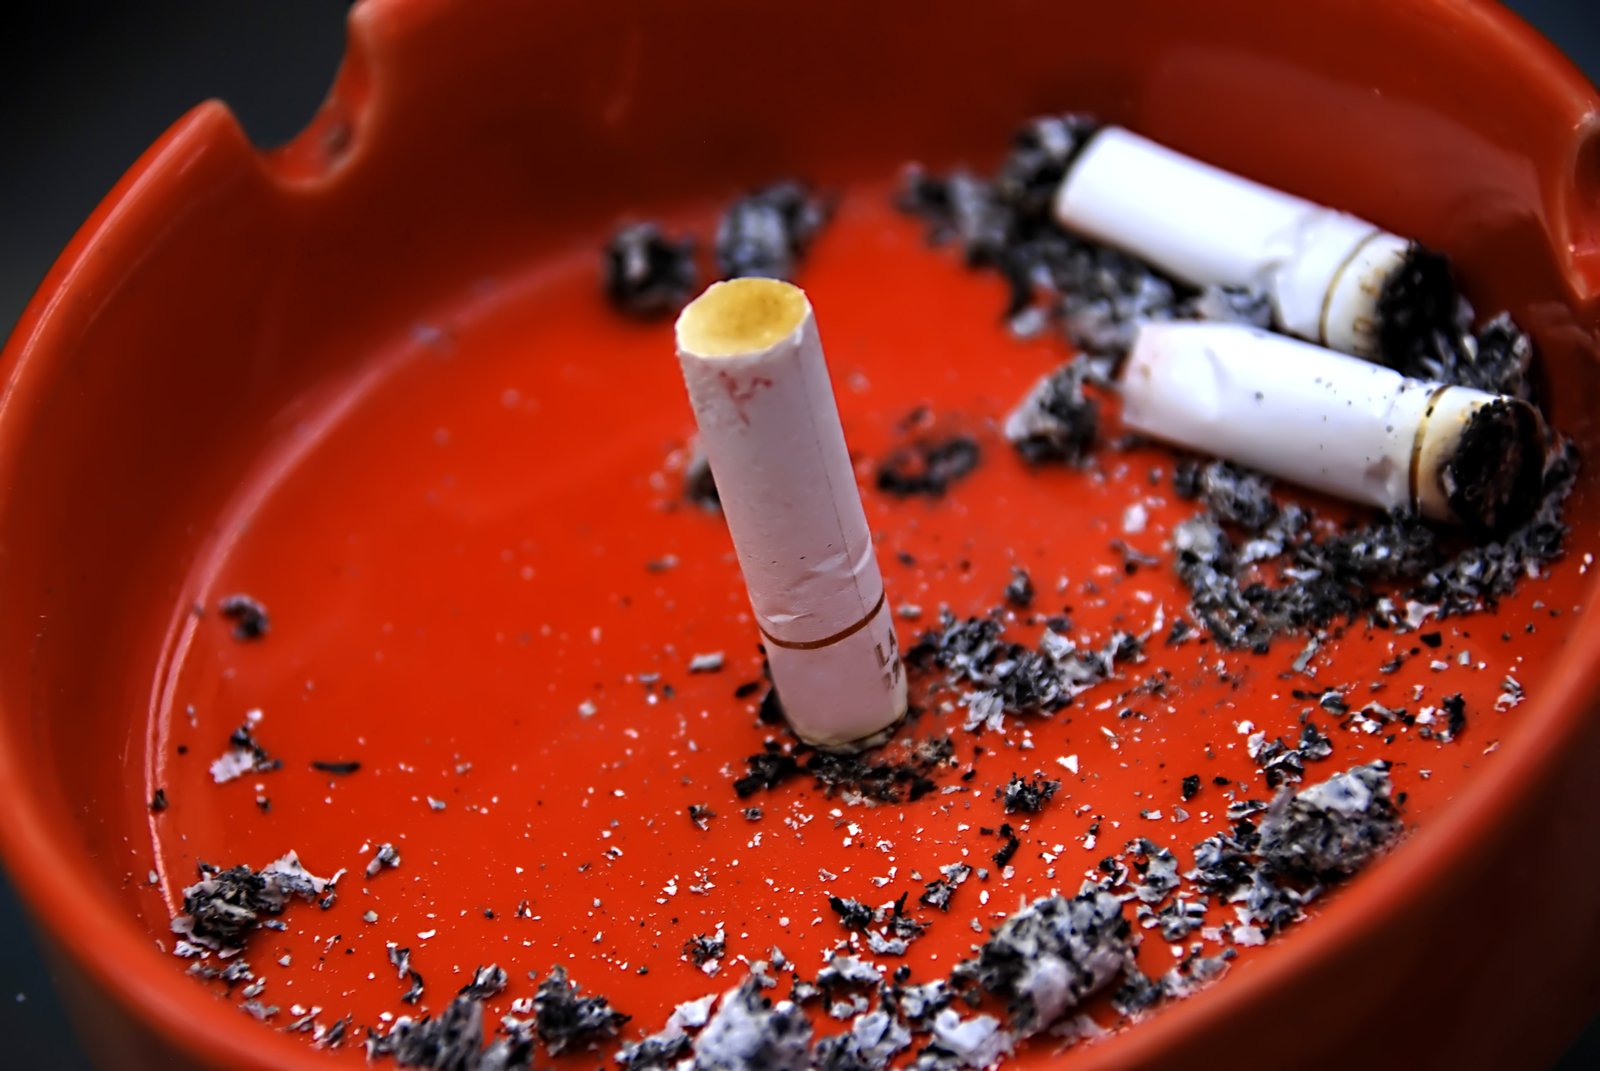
{"x":368,"y":378}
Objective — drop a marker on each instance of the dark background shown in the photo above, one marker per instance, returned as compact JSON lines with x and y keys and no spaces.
{"x":86,"y":86}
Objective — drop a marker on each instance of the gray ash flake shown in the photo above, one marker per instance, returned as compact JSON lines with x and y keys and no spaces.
{"x":749,"y":1031}
{"x":1048,"y":957}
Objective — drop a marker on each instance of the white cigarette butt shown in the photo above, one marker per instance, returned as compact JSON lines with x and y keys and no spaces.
{"x":752,"y":360}
{"x":1336,"y":424}
{"x":1322,"y":270}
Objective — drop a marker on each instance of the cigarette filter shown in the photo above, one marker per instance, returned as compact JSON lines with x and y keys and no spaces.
{"x":753,"y":363}
{"x":1324,"y":271}
{"x":1336,"y":424}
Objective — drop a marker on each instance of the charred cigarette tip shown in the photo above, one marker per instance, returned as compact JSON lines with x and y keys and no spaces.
{"x":741,"y":316}
{"x":1417,"y":299}
{"x":1337,"y":424}
{"x":1495,"y":475}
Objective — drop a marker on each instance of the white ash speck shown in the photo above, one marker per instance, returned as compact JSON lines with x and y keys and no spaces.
{"x":710,"y":662}
{"x":386,"y":857}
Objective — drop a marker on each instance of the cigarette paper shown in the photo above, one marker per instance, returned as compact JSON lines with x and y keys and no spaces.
{"x":753,"y":363}
{"x":1335,"y":423}
{"x":1325,"y":272}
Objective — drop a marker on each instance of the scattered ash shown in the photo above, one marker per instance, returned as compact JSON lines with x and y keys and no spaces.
{"x":900,"y":772}
{"x":1027,"y":796}
{"x":916,"y":1005}
{"x":224,"y":907}
{"x":453,"y":1041}
{"x":979,"y":1042}
{"x":1231,"y":494}
{"x":1454,"y":709}
{"x":1003,"y":677}
{"x":1497,"y":358}
{"x":701,"y":815}
{"x":1427,"y":332}
{"x":1190,"y":787}
{"x":656,"y":1051}
{"x":1138,"y":993}
{"x":1008,"y":849}
{"x":1105,"y":296}
{"x":705,"y":948}
{"x":245,"y":755}
{"x":1283,"y":763}
{"x":699,"y":485}
{"x":749,"y":1031}
{"x":647,"y":274}
{"x":1341,"y":577}
{"x":1224,"y":862}
{"x":853,"y":914}
{"x":1157,"y":868}
{"x":1195,"y":971}
{"x":927,"y":467}
{"x":1042,"y":151}
{"x":565,"y":1020}
{"x":384,"y":858}
{"x":937,"y":893}
{"x":486,"y":982}
{"x":888,"y":929}
{"x":400,"y":959}
{"x":1178,"y":917}
{"x":767,"y":770}
{"x":1019,"y":591}
{"x":1057,"y":420}
{"x":669,"y":1045}
{"x":767,"y":232}
{"x":1331,"y":829}
{"x":1046,"y":958}
{"x":249,"y":617}
{"x":1244,"y":305}
{"x":872,"y":1041}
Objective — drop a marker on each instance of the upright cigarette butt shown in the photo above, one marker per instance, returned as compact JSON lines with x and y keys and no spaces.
{"x":1325,"y":272}
{"x":1337,"y":424}
{"x":753,"y":363}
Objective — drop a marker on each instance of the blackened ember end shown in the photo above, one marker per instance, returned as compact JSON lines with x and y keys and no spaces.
{"x":1493,"y":482}
{"x":1417,"y":302}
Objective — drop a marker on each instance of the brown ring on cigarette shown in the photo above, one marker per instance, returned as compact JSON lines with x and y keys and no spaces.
{"x":1416,"y":446}
{"x":827,"y":641}
{"x":1333,"y":285}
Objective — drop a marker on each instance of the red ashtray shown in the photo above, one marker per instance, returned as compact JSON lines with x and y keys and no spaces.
{"x":369,"y":379}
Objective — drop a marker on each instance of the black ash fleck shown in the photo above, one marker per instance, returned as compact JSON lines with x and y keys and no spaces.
{"x":927,"y":467}
{"x":647,"y":274}
{"x":767,"y":232}
{"x":249,"y":617}
{"x":1027,"y":796}
{"x":565,"y":1020}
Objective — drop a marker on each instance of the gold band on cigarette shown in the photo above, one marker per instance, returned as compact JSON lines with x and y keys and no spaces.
{"x":827,"y":641}
{"x":1333,"y":283}
{"x":1416,"y":446}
